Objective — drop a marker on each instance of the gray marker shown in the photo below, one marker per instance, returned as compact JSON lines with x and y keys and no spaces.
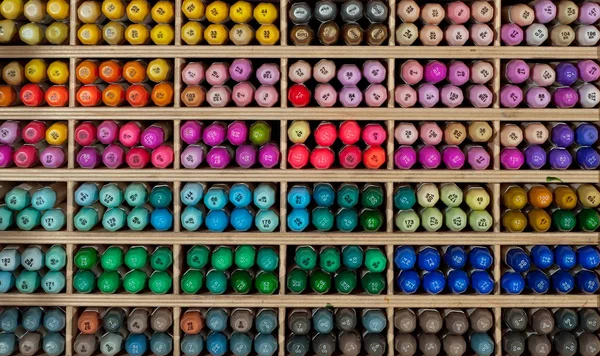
{"x":429,"y":344}
{"x":374,"y":344}
{"x":298,"y":345}
{"x":481,"y":320}
{"x":454,"y":345}
{"x":137,"y":321}
{"x":515,"y":318}
{"x":345,"y":319}
{"x":85,"y":344}
{"x":30,"y":343}
{"x":405,"y":320}
{"x":376,"y":11}
{"x":513,"y":343}
{"x":405,"y":344}
{"x":565,"y":343}
{"x":300,"y":13}
{"x":323,"y":344}
{"x":241,"y":320}
{"x":589,"y":319}
{"x":349,"y":343}
{"x":325,"y":10}
{"x":161,"y":319}
{"x":299,"y":321}
{"x":352,"y":11}
{"x":541,"y":320}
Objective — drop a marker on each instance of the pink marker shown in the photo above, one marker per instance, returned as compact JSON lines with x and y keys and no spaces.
{"x":429,"y":95}
{"x":430,"y":133}
{"x":480,"y":96}
{"x":26,"y":156}
{"x":89,"y":157}
{"x":435,"y":72}
{"x":511,"y":158}
{"x":268,"y":74}
{"x":113,"y":156}
{"x":457,"y":12}
{"x":451,"y":96}
{"x":300,"y":72}
{"x":481,"y":34}
{"x":516,"y":71}
{"x":325,"y":95}
{"x":511,"y":34}
{"x":6,"y":156}
{"x":240,"y":69}
{"x":162,"y":157}
{"x":411,"y":72}
{"x":545,"y":10}
{"x":405,"y":96}
{"x":375,"y":95}
{"x":349,"y":132}
{"x":298,"y":156}
{"x":374,"y":135}
{"x":537,"y":97}
{"x":215,"y":133}
{"x":324,"y":71}
{"x":155,"y":135}
{"x":137,"y":158}
{"x":130,"y":133}
{"x":108,"y":131}
{"x":245,"y":156}
{"x":350,"y":96}
{"x":217,"y":73}
{"x":52,"y":157}
{"x":193,"y":155}
{"x":191,"y":132}
{"x":350,"y":156}
{"x":406,"y":133}
{"x":237,"y":133}
{"x":458,"y":73}
{"x":266,"y":96}
{"x":374,"y":71}
{"x":193,"y":73}
{"x":429,"y":157}
{"x":242,"y":94}
{"x":478,"y":157}
{"x":589,"y":71}
{"x":536,"y":34}
{"x":510,"y":96}
{"x":541,"y":74}
{"x":219,"y":157}
{"x":456,"y":35}
{"x":453,"y":157}
{"x":405,"y":157}
{"x":589,"y":13}
{"x":218,"y":96}
{"x":481,"y":72}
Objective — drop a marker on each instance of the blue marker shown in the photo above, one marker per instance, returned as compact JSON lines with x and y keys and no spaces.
{"x":136,"y":344}
{"x":216,"y":220}
{"x":405,"y":257}
{"x":587,"y":157}
{"x":562,"y":281}
{"x":216,"y":198}
{"x":482,"y":282}
{"x":298,"y":220}
{"x":9,"y":319}
{"x":161,"y":219}
{"x":588,"y":257}
{"x":54,"y":320}
{"x":192,"y":193}
{"x":482,"y":344}
{"x":408,"y":281}
{"x":537,"y":281}
{"x":86,"y":194}
{"x":480,"y":258}
{"x":32,"y":318}
{"x":216,"y":319}
{"x":324,"y":194}
{"x":517,"y":259}
{"x":587,"y":281}
{"x":240,"y":195}
{"x":266,"y":321}
{"x":565,"y":257}
{"x":586,"y":134}
{"x":264,"y":196}
{"x":240,"y":344}
{"x":265,"y":345}
{"x":428,"y":259}
{"x":458,"y":281}
{"x":192,"y":217}
{"x":192,"y":345}
{"x":433,"y":282}
{"x":512,"y":283}
{"x":542,"y":256}
{"x":242,"y":219}
{"x":161,"y":344}
{"x":299,"y":197}
{"x":374,"y":321}
{"x":7,"y":281}
{"x":322,"y":321}
{"x":455,"y":257}
{"x":216,"y":343}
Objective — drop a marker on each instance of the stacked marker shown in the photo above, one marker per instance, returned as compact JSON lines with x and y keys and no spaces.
{"x":48,"y":22}
{"x":28,"y":268}
{"x":240,"y":269}
{"x":215,"y":142}
{"x":116,"y":205}
{"x":422,"y":270}
{"x":107,"y":268}
{"x":35,"y":83}
{"x":28,"y":143}
{"x":222,"y":77}
{"x":345,"y":268}
{"x":542,"y":269}
{"x":31,"y":205}
{"x":33,"y":330}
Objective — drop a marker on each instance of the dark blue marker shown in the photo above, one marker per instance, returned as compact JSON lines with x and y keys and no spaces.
{"x":542,"y":256}
{"x":512,"y":283}
{"x":405,"y":257}
{"x":588,"y":257}
{"x":587,"y":281}
{"x":482,"y":282}
{"x":562,"y":281}
{"x":455,"y":257}
{"x":458,"y":281}
{"x":480,"y":258}
{"x":429,"y":259}
{"x":408,"y":281}
{"x":517,"y":259}
{"x":537,"y":281}
{"x":433,"y":282}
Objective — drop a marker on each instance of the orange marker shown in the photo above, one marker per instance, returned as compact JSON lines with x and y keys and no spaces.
{"x":111,"y":71}
{"x":57,"y":95}
{"x":135,"y":71}
{"x":89,"y":95}
{"x":87,"y":72}
{"x":33,"y":94}
{"x":162,"y":94}
{"x":138,"y":95}
{"x":191,"y":322}
{"x":8,"y":96}
{"x":539,"y":196}
{"x":114,"y":94}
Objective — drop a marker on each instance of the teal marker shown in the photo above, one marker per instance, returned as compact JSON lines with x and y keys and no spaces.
{"x":348,"y":195}
{"x":299,"y":196}
{"x":54,"y":219}
{"x":53,"y":282}
{"x":161,"y":219}
{"x":111,"y":195}
{"x":136,"y":194}
{"x":48,"y":197}
{"x":192,"y":345}
{"x":114,"y":219}
{"x":352,"y":257}
{"x":266,"y":220}
{"x":216,"y":319}
{"x":9,"y":319}
{"x":10,"y":258}
{"x":216,"y":282}
{"x":242,"y":219}
{"x":86,"y":194}
{"x":8,"y":343}
{"x":88,"y":217}
{"x":346,"y":220}
{"x":7,"y":281}
{"x":264,"y":196}
{"x":216,"y":220}
{"x":53,"y":344}
{"x":161,"y":196}
{"x":139,"y":217}
{"x":322,"y":218}
{"x":240,"y":344}
{"x":56,"y":258}
{"x":28,"y":281}
{"x":267,"y":259}
{"x":33,"y":258}
{"x":55,"y":320}
{"x":20,"y":196}
{"x":240,"y":195}
{"x":84,"y":281}
{"x":29,"y":218}
{"x":192,"y":217}
{"x":217,"y":197}
{"x":324,"y":194}
{"x":7,"y":217}
{"x":298,"y":219}
{"x":404,"y":197}
{"x":192,"y":193}
{"x":32,"y":318}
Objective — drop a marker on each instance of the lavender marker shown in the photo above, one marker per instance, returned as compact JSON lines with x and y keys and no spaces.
{"x":237,"y":133}
{"x":214,"y":134}
{"x":245,"y":156}
{"x":113,"y":156}
{"x":453,"y":157}
{"x":511,"y":34}
{"x":511,"y":96}
{"x":6,"y":156}
{"x":191,"y":132}
{"x":587,"y":157}
{"x":566,"y":73}
{"x":537,"y":97}
{"x":535,"y":156}
{"x":268,"y":74}
{"x":10,"y":132}
{"x":52,"y":157}
{"x":511,"y":158}
{"x":429,"y":157}
{"x":565,"y":97}
{"x":451,"y":95}
{"x":458,"y":73}
{"x":516,"y":71}
{"x":268,"y":155}
{"x":219,"y":157}
{"x":193,"y":155}
{"x":374,"y":71}
{"x":405,"y":157}
{"x":240,"y":70}
{"x":478,"y":157}
{"x":349,"y":74}
{"x":589,"y":71}
{"x":435,"y":72}
{"x":89,"y":157}
{"x":545,"y":11}
{"x":559,"y":158}
{"x":350,"y":96}
{"x":429,"y":95}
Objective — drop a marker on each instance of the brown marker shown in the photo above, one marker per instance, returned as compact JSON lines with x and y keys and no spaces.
{"x":374,"y":344}
{"x":562,"y":35}
{"x":161,"y":319}
{"x":405,"y":320}
{"x":192,"y":322}
{"x":481,"y":320}
{"x":538,"y":345}
{"x":541,"y":320}
{"x":302,"y":35}
{"x":193,"y":96}
{"x":564,"y":343}
{"x":90,"y":321}
{"x":430,"y":321}
{"x":429,"y":344}
{"x":352,"y":33}
{"x":345,"y":319}
{"x":456,"y":321}
{"x":405,"y":344}
{"x":408,"y":11}
{"x":589,"y":344}
{"x":377,"y":34}
{"x":329,"y":33}
{"x":454,"y":345}
{"x":349,"y":343}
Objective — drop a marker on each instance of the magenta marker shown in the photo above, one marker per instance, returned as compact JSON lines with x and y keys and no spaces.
{"x":219,"y":157}
{"x":405,"y":96}
{"x":217,"y":73}
{"x":589,"y":71}
{"x":535,"y":157}
{"x":374,"y":71}
{"x":349,"y":74}
{"x":89,"y":156}
{"x":511,"y":158}
{"x":405,"y":157}
{"x":214,"y":134}
{"x":376,"y":95}
{"x":541,"y":74}
{"x":453,"y":157}
{"x":350,"y":96}
{"x":411,"y":72}
{"x":564,"y":97}
{"x":589,"y":13}
{"x":6,"y":156}
{"x":268,"y":74}
{"x":589,"y":95}
{"x":537,"y":97}
{"x":266,"y":96}
{"x":154,"y":136}
{"x":478,"y":157}
{"x":536,"y":34}
{"x":545,"y":10}
{"x":516,"y":71}
{"x":268,"y":155}
{"x":510,"y":96}
{"x":429,"y":157}
{"x":191,"y":132}
{"x":245,"y":156}
{"x":193,"y":155}
{"x":240,"y":70}
{"x":559,"y":158}
{"x":429,"y":95}
{"x":242,"y":94}
{"x":52,"y":157}
{"x":107,"y":132}
{"x":511,"y":34}
{"x":435,"y":72}
{"x":113,"y":156}
{"x":237,"y":133}
{"x":451,"y":96}
{"x":325,"y":95}
{"x":458,"y":73}
{"x":480,"y":96}
{"x":10,"y":132}
{"x":481,"y":72}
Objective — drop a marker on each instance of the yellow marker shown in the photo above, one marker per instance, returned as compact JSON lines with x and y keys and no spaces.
{"x":57,"y":33}
{"x":192,"y":33}
{"x":36,"y":70}
{"x":514,"y":221}
{"x":193,"y":9}
{"x":266,"y":13}
{"x":137,"y":34}
{"x":11,"y":9}
{"x":241,"y":12}
{"x":114,"y":33}
{"x":267,"y":35}
{"x":34,"y":10}
{"x":89,"y":12}
{"x":58,"y":9}
{"x":58,"y":72}
{"x":8,"y":30}
{"x":89,"y":34}
{"x":114,"y":10}
{"x":589,"y":196}
{"x":163,"y":12}
{"x":539,"y":220}
{"x":217,"y":12}
{"x":564,"y":197}
{"x":241,"y":34}
{"x":159,"y":70}
{"x":13,"y":73}
{"x":216,"y":34}
{"x":162,"y":34}
{"x":514,"y":197}
{"x":57,"y":133}
{"x":138,"y":11}
{"x":32,"y":33}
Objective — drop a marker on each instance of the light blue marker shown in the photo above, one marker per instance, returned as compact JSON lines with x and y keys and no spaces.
{"x":161,"y":219}
{"x":374,"y":321}
{"x":266,"y":220}
{"x":192,"y":217}
{"x":298,"y":219}
{"x":192,"y":193}
{"x":10,"y":258}
{"x":299,"y":197}
{"x":216,"y":198}
{"x":264,"y":196}
{"x":86,"y":194}
{"x":240,"y":195}
{"x":54,"y":219}
{"x":217,"y":220}
{"x":32,"y":258}
{"x":55,"y":320}
{"x":324,"y":194}
{"x":242,"y":218}
{"x":482,"y":344}
{"x":322,"y":321}
{"x":7,"y":281}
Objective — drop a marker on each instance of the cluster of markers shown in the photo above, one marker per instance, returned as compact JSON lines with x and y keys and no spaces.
{"x":113,"y":143}
{"x":437,"y":207}
{"x":31,"y":205}
{"x":558,"y":145}
{"x":27,"y":144}
{"x":239,"y":206}
{"x":137,"y":22}
{"x":444,"y":332}
{"x":450,"y":155}
{"x":304,"y":76}
{"x":351,"y":12}
{"x":29,"y":268}
{"x":360,"y":145}
{"x":48,"y":22}
{"x":341,"y":268}
{"x":34,"y":83}
{"x":542,"y":269}
{"x":436,"y":83}
{"x":343,"y":331}
{"x":241,"y":269}
{"x":235,"y":23}
{"x":456,"y":23}
{"x":559,"y":84}
{"x":221,"y":76}
{"x":116,"y":205}
{"x":556,"y":23}
{"x":134,"y":83}
{"x":555,"y":207}
{"x":214,"y":143}
{"x":465,"y":269}
{"x":352,"y":205}
{"x":32,"y":331}
{"x":107,"y":269}
{"x":541,"y":331}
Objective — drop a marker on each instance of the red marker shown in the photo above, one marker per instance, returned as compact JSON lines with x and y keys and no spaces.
{"x":325,"y":134}
{"x":137,"y":157}
{"x":57,"y":96}
{"x":34,"y":132}
{"x":85,"y":133}
{"x":299,"y":95}
{"x":374,"y":135}
{"x":33,"y":94}
{"x":298,"y":156}
{"x":27,"y":155}
{"x":322,"y":157}
{"x":130,"y":133}
{"x":350,"y":156}
{"x":162,"y":157}
{"x":349,"y":132}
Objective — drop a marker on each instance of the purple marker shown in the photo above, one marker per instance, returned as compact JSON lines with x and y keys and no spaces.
{"x":153,"y":136}
{"x":589,"y":95}
{"x":268,"y":155}
{"x":52,"y":157}
{"x":541,"y":74}
{"x":429,"y":157}
{"x":107,"y":132}
{"x":240,"y":70}
{"x":587,"y":157}
{"x":237,"y":133}
{"x":193,"y":155}
{"x":350,"y":96}
{"x":453,"y":157}
{"x":565,"y":97}
{"x":589,"y":13}
{"x":458,"y":73}
{"x":511,"y":158}
{"x":559,"y":158}
{"x":561,"y":135}
{"x":10,"y":132}
{"x":478,"y":157}
{"x":405,"y":157}
{"x":480,"y":96}
{"x":535,"y":156}
{"x":435,"y":72}
{"x":349,"y":74}
{"x":191,"y":132}
{"x":511,"y":96}
{"x":545,"y":11}
{"x":374,"y":71}
{"x":516,"y":71}
{"x":6,"y":156}
{"x":537,"y":97}
{"x":451,"y":95}
{"x":429,"y":95}
{"x":214,"y":134}
{"x":219,"y":157}
{"x":113,"y":156}
{"x":268,"y":74}
{"x":245,"y":156}
{"x":89,"y":156}
{"x":566,"y":73}
{"x":589,"y":71}
{"x":511,"y":34}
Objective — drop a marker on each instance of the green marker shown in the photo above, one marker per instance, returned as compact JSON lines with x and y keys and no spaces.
{"x":111,"y":194}
{"x":375,"y":260}
{"x":32,"y":258}
{"x":54,"y":219}
{"x":160,"y":282}
{"x":84,"y":281}
{"x":161,"y":259}
{"x":372,"y":283}
{"x":87,"y":194}
{"x":109,"y":282}
{"x":480,"y":220}
{"x":266,"y":282}
{"x":112,"y":258}
{"x":563,"y":220}
{"x":53,"y":282}
{"x":320,"y":281}
{"x":451,"y":195}
{"x":404,"y":197}
{"x":345,"y":281}
{"x":136,"y":257}
{"x":114,"y":218}
{"x":588,"y":219}
{"x":192,"y":193}
{"x":306,"y":257}
{"x":217,"y":197}
{"x":455,"y":218}
{"x":135,"y":281}
{"x":346,"y":220}
{"x":267,"y":259}
{"x":20,"y":196}
{"x":48,"y":197}
{"x":241,"y":281}
{"x":296,"y":280}
{"x":245,"y":256}
{"x":427,"y":195}
{"x":266,"y":220}
{"x":216,"y":281}
{"x":329,"y":259}
{"x":371,"y":220}
{"x":139,"y":217}
{"x":7,"y":217}
{"x":198,"y":256}
{"x":264,"y":195}
{"x":222,"y":258}
{"x":260,"y":133}
{"x":372,"y":196}
{"x":161,"y":196}
{"x":56,"y":258}
{"x":86,"y":257}
{"x":192,"y":217}
{"x":29,"y":218}
{"x":322,"y":218}
{"x":136,"y":194}
{"x":192,"y":281}
{"x":88,"y":217}
{"x":28,"y":281}
{"x":431,"y":219}
{"x":348,"y":195}
{"x":352,"y":257}
{"x":407,"y":220}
